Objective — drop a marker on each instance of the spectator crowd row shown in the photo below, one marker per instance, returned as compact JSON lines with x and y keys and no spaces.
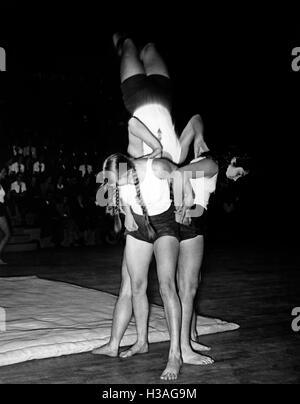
{"x":54,"y":188}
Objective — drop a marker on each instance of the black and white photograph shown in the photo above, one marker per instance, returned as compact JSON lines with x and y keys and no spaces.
{"x":149,"y":205}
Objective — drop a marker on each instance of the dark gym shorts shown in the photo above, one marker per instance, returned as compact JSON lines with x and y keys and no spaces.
{"x":198,"y":227}
{"x":140,"y":90}
{"x":163,"y":224}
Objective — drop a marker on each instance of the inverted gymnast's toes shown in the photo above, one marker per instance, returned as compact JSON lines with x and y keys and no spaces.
{"x":118,"y":41}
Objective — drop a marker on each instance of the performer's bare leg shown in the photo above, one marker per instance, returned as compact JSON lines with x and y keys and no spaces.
{"x":121,"y":318}
{"x":166,"y":254}
{"x":189,"y":264}
{"x":152,"y":61}
{"x":130,"y":66}
{"x":138,"y":257}
{"x":196,"y":346}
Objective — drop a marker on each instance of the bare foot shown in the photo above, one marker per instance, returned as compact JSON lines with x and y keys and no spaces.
{"x":107,"y":350}
{"x":136,"y":349}
{"x":195,"y":343}
{"x":173,"y":368}
{"x":199,"y":347}
{"x":118,"y":39}
{"x":193,"y":358}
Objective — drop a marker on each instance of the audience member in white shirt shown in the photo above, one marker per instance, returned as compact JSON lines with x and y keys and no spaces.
{"x":85,"y":169}
{"x":39,"y":167}
{"x":17,"y":167}
{"x":18,"y":186}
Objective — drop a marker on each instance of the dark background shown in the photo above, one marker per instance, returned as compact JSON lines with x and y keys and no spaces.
{"x":232,"y":65}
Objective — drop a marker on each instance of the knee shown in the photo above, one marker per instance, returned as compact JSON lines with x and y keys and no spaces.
{"x":167,"y":289}
{"x":126,"y":290}
{"x":187,"y":290}
{"x":139,"y":287}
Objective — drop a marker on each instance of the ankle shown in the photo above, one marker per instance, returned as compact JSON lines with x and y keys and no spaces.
{"x":175,"y":354}
{"x":186,"y":347}
{"x":141,"y":342}
{"x":114,"y":344}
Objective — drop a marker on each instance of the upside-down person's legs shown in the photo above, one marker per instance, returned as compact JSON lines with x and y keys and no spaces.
{"x":130,"y":64}
{"x":153,"y":62}
{"x":193,"y":132}
{"x":4,"y":228}
{"x":166,"y":254}
{"x":138,"y":257}
{"x":121,"y":317}
{"x":189,"y":264}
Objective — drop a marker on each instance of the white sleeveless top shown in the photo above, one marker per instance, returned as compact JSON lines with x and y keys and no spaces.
{"x":155,"y":193}
{"x":158,"y":120}
{"x":2,"y":194}
{"x":203,"y":187}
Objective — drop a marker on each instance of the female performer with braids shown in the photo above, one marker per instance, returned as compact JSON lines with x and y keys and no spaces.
{"x":144,"y":187}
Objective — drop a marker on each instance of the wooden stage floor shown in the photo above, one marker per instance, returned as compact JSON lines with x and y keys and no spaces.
{"x":253,"y":284}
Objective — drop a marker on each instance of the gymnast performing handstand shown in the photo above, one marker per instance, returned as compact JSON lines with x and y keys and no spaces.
{"x":147,"y":95}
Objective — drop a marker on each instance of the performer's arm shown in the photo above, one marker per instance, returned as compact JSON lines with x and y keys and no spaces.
{"x":193,"y":132}
{"x":203,"y":168}
{"x":183,"y":191}
{"x":164,"y":169}
{"x":130,"y":223}
{"x":184,"y":196}
{"x":138,"y":129}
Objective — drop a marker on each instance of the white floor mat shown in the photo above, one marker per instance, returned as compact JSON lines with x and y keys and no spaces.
{"x":43,"y":319}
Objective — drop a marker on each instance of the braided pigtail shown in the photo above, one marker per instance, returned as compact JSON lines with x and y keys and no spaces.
{"x":151,"y":231}
{"x":111,"y":202}
{"x":112,"y":166}
{"x":118,"y":222}
{"x":113,"y":209}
